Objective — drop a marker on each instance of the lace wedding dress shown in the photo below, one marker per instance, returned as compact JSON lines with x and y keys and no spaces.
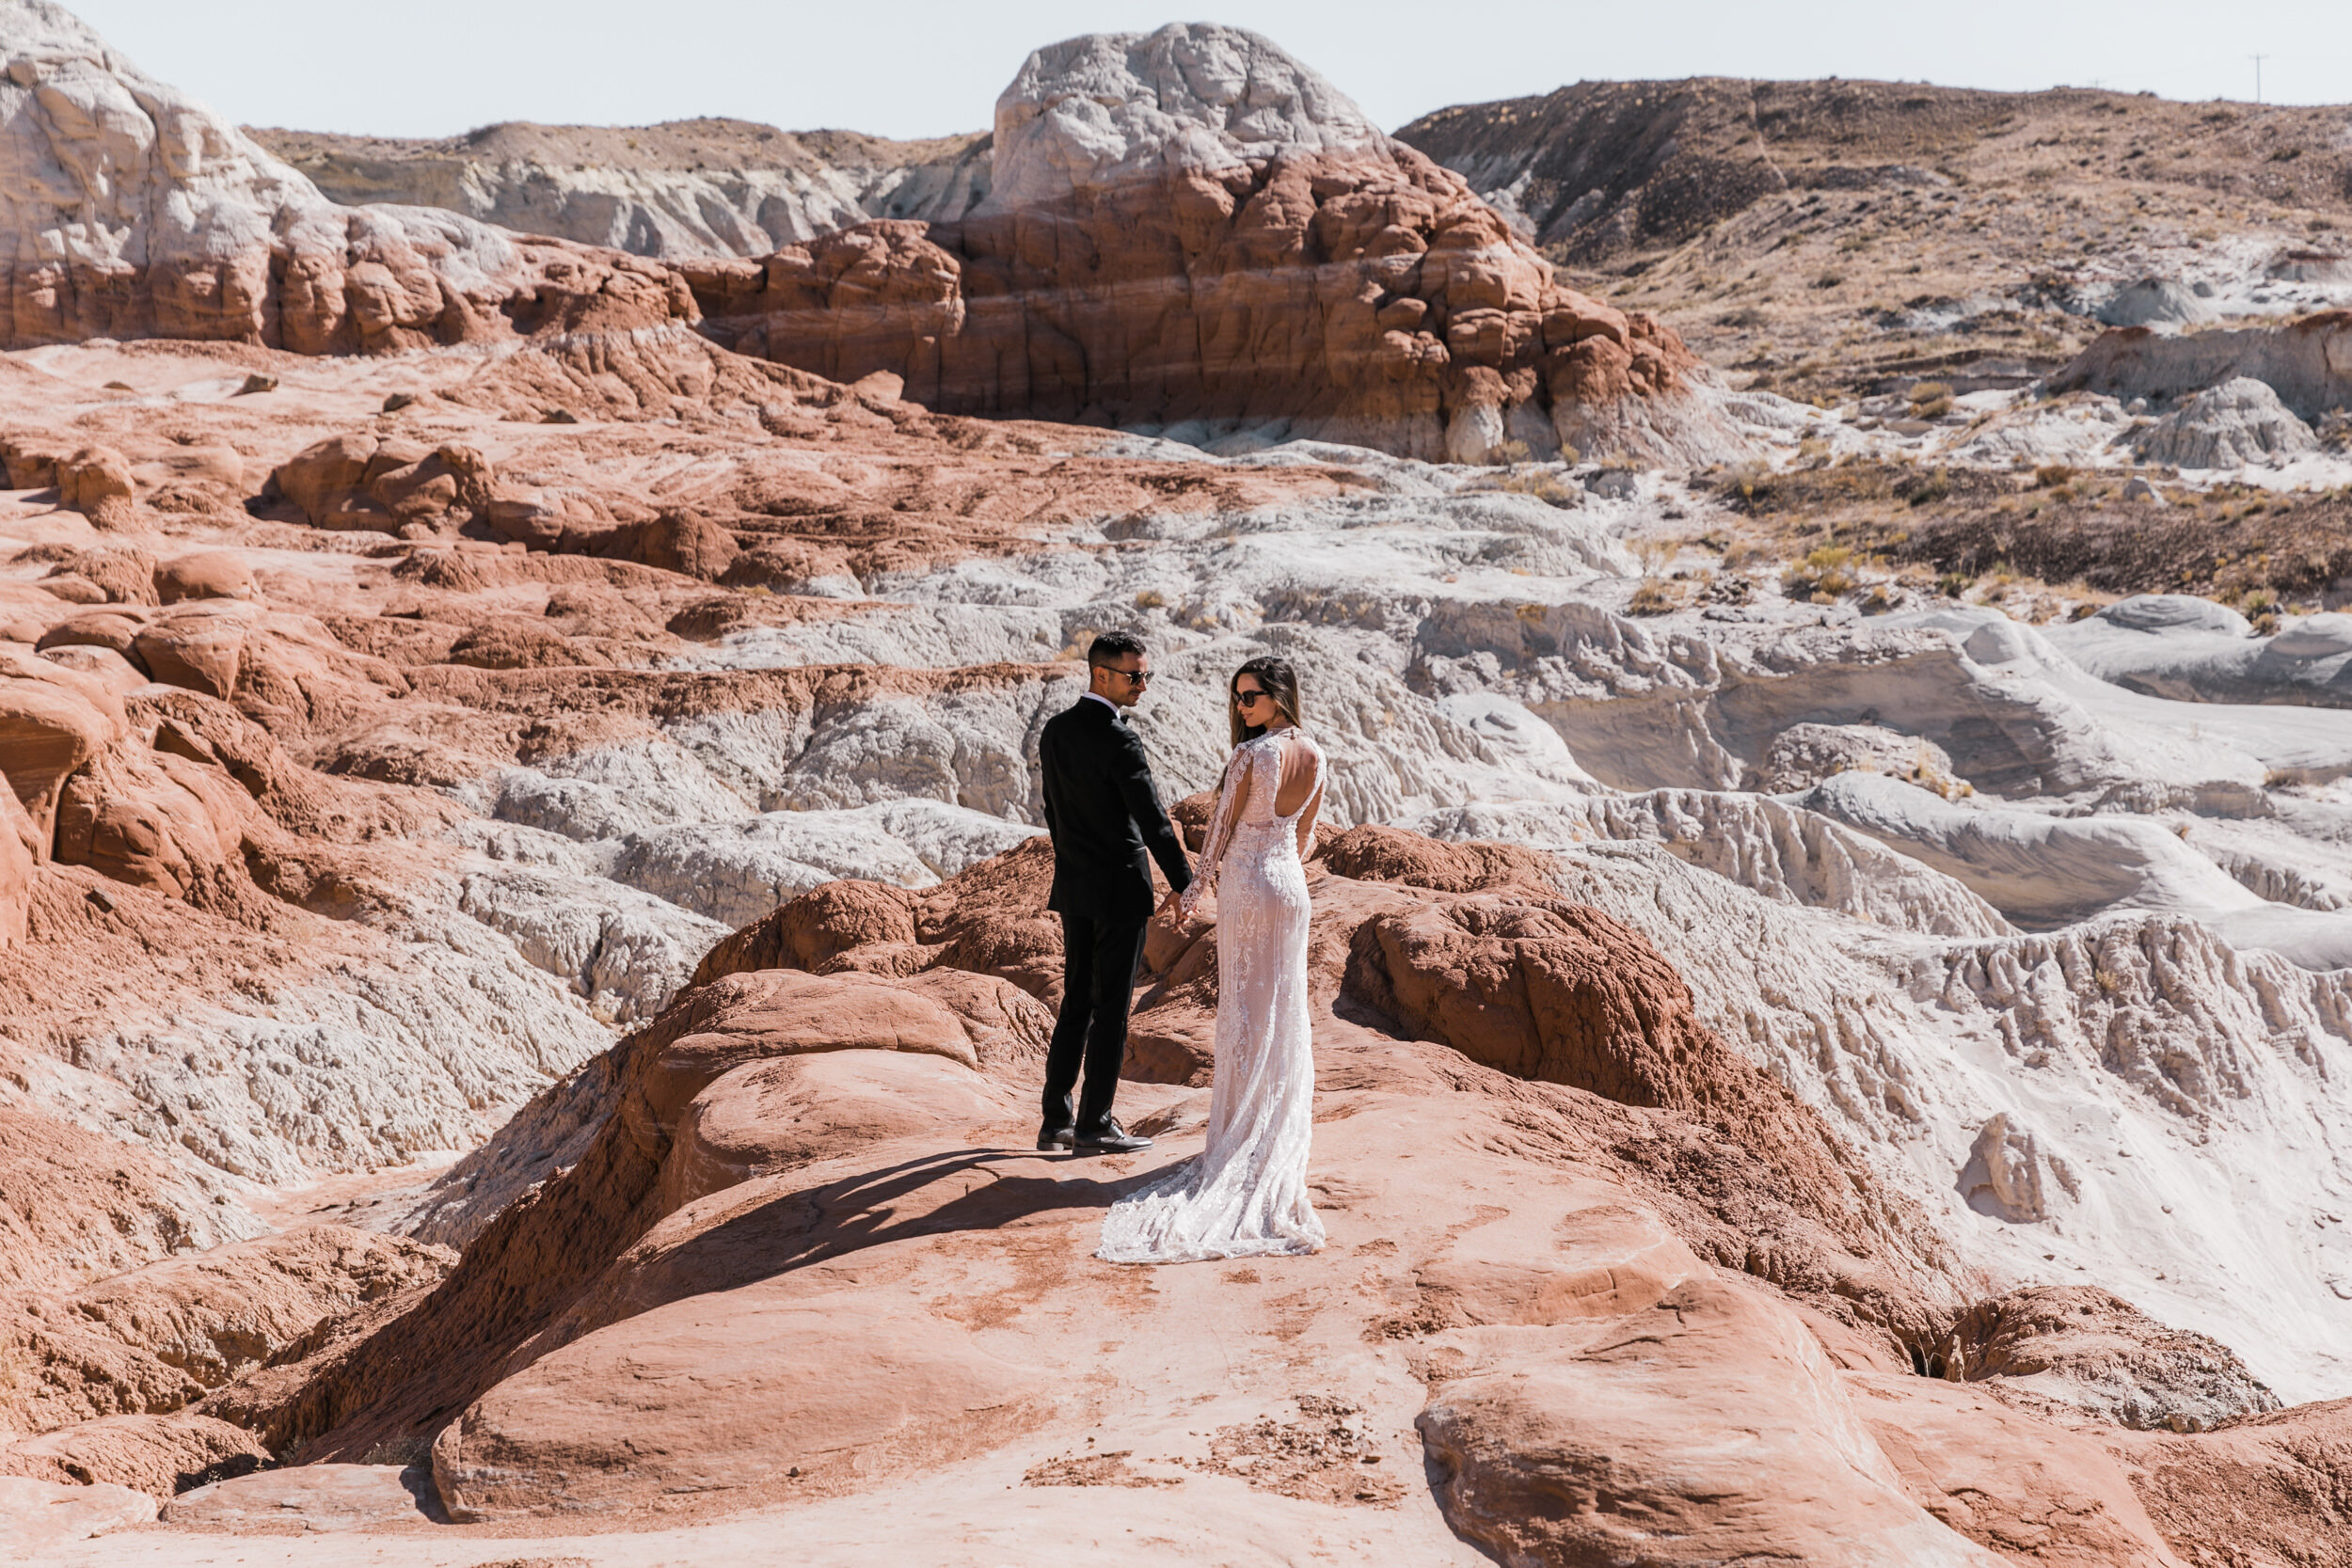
{"x":1245,"y":1194}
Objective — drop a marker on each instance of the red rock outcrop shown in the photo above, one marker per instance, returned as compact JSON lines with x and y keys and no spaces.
{"x":2079,"y":1347}
{"x":1189,"y":228}
{"x":1513,"y":978}
{"x":135,"y":212}
{"x":664,"y":1145}
{"x":2273,"y":1488}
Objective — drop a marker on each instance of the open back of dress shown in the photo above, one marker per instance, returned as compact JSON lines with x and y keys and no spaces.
{"x":1246,"y":1194}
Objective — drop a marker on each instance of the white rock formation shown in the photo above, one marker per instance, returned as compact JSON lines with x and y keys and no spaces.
{"x":1110,"y":107}
{"x":2155,"y":301}
{"x":128,"y":209}
{"x":753,"y":191}
{"x":2228,"y":426}
{"x":2194,"y":651}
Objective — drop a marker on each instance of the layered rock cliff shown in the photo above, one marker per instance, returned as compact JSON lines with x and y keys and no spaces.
{"x":697,"y":187}
{"x":1190,"y":232}
{"x":129,"y":210}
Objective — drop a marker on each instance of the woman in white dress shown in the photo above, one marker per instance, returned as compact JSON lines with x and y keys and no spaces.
{"x":1246,"y":1194}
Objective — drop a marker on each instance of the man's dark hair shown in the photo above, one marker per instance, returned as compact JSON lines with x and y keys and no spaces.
{"x":1111,"y":645}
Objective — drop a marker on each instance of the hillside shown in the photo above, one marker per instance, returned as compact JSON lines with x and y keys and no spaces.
{"x":693,"y":187}
{"x":1826,"y":235}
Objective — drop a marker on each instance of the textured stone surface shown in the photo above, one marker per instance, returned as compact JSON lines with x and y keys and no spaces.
{"x":135,"y":212}
{"x":1188,"y":227}
{"x":700,"y":187}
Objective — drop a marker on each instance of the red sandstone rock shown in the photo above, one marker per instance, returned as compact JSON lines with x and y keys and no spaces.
{"x":204,"y":574}
{"x":40,"y":1520}
{"x":1593,"y":1443}
{"x":2025,"y":1488}
{"x":198,"y":645}
{"x":96,"y":482}
{"x":154,"y":1454}
{"x":1160,"y":247}
{"x":535,"y":1260}
{"x":2274,"y":1488}
{"x":156,"y":820}
{"x":52,"y":722}
{"x":79,"y":1206}
{"x":21,"y":849}
{"x":2078,"y":1346}
{"x":314,"y":1498}
{"x":189,"y":229}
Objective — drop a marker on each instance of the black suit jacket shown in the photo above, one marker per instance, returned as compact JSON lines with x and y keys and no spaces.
{"x":1105,"y":816}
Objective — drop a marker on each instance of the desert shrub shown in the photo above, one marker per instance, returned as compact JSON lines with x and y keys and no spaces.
{"x":1826,"y":572}
{"x":1543,"y":483}
{"x":1935,"y":487}
{"x":1741,"y":554}
{"x":2051,"y":475}
{"x":1653,"y":597}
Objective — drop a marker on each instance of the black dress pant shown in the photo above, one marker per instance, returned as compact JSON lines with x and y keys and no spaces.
{"x":1099,"y":961}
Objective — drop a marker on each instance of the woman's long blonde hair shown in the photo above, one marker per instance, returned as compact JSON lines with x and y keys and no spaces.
{"x":1281,"y":682}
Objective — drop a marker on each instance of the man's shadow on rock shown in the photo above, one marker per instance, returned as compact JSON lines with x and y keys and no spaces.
{"x":930,"y":1196}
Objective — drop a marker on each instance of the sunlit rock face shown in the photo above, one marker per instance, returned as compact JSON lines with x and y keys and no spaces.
{"x":1190,"y":232}
{"x":130,"y":210}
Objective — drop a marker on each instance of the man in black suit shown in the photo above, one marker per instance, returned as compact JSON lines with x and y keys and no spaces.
{"x":1105,"y":816}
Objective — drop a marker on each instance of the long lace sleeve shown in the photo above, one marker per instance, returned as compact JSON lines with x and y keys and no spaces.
{"x":1233,"y":792}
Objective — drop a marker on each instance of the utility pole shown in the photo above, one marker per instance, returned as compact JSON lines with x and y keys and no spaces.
{"x":2258,"y":74}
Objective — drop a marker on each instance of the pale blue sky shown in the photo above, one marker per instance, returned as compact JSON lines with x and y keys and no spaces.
{"x":909,"y":67}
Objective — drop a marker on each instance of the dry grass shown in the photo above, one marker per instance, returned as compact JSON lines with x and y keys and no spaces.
{"x":2060,"y":527}
{"x":1831,"y":238}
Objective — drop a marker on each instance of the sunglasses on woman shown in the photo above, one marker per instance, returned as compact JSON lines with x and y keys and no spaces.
{"x":1247,"y":697}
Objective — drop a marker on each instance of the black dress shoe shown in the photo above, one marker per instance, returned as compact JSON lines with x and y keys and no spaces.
{"x":1051,"y":1138}
{"x":1110,"y":1139}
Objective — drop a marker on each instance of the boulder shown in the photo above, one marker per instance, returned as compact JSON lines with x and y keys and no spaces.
{"x":318,"y":1499}
{"x":159,"y":1455}
{"x":360,"y":481}
{"x":199,"y":646}
{"x":1581,"y":1443}
{"x":1561,"y":993}
{"x":123,"y":574}
{"x":2087,"y":1348}
{"x":516,"y":642}
{"x":690,"y":543}
{"x":52,"y":722}
{"x":156,"y":820}
{"x":2241,"y":421}
{"x":97,"y":483}
{"x":204,"y":574}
